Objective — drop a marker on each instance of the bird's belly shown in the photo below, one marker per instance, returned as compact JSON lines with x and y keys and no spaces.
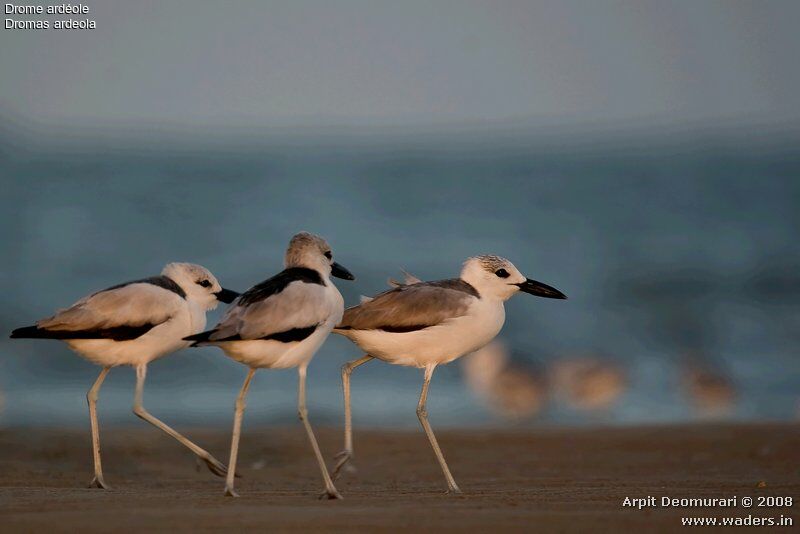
{"x":158,"y":342}
{"x":438,"y":344}
{"x":273,"y":354}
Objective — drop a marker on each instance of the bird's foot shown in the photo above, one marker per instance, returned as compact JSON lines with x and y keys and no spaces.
{"x":343,"y":464}
{"x":215,"y":466}
{"x":454,"y":490}
{"x":330,"y":494}
{"x":230,"y":492}
{"x":98,"y":482}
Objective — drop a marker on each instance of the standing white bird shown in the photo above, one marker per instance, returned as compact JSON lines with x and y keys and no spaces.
{"x":133,"y":324}
{"x":279,"y":324}
{"x":425,"y":324}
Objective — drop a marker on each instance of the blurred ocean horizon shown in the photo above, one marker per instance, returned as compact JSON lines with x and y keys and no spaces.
{"x":677,"y":250}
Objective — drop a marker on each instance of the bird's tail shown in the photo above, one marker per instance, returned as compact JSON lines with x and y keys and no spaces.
{"x":200,"y":338}
{"x":30,"y":332}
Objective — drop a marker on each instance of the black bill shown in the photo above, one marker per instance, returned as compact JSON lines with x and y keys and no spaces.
{"x":540,"y":290}
{"x":226,"y":295}
{"x":340,"y":272}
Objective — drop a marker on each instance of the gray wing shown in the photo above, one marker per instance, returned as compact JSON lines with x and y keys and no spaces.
{"x":299,"y":306}
{"x":132,"y":305}
{"x":408,"y":308}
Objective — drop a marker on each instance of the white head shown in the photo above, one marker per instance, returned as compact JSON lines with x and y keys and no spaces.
{"x":199,"y":284}
{"x":496,"y":277}
{"x":312,"y":252}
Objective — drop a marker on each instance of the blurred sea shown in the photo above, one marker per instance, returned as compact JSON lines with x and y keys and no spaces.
{"x":672,"y":256}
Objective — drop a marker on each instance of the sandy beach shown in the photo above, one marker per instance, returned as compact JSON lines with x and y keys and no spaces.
{"x":548,"y":479}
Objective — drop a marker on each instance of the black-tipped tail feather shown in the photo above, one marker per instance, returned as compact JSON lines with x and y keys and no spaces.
{"x":199,"y":338}
{"x":30,"y":332}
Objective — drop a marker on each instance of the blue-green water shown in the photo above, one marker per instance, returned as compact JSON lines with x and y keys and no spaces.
{"x":666,"y":254}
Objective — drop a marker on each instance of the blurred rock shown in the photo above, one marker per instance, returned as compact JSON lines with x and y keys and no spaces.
{"x":587,"y":383}
{"x":710,"y":392}
{"x":510,"y":390}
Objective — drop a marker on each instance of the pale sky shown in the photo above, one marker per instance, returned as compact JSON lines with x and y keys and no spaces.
{"x":205,"y":63}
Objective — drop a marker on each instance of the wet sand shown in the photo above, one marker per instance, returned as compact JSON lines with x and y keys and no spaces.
{"x":546,"y":480}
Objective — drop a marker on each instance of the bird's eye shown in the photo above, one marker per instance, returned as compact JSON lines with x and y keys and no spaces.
{"x":204,"y":283}
{"x":502,"y":273}
{"x":329,"y":255}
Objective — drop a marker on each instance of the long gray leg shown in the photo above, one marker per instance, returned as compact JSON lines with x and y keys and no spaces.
{"x":91,"y":398}
{"x":237,"y":430}
{"x":330,"y":490}
{"x":422,"y":414}
{"x":347,"y":454}
{"x":214,"y":465}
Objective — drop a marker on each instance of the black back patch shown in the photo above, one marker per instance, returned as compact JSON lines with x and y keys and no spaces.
{"x":404,"y":328}
{"x":278,"y":283}
{"x":162,"y":281}
{"x":295,"y":334}
{"x":287,"y":336}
